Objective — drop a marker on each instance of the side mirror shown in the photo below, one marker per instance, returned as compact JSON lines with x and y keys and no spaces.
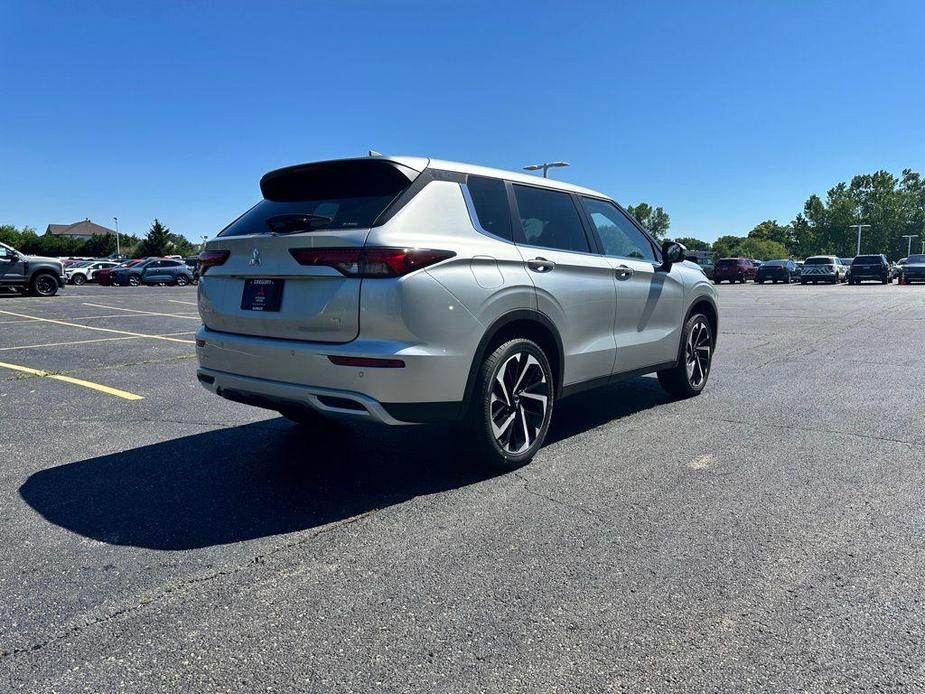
{"x":672,"y":253}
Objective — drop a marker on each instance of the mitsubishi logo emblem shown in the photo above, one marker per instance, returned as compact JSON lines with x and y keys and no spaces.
{"x":255,"y":258}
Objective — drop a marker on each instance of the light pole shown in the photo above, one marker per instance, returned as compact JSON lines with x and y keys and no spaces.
{"x":545,"y":167}
{"x":118,"y":248}
{"x":909,"y":238}
{"x":859,"y":227}
{"x":204,"y":240}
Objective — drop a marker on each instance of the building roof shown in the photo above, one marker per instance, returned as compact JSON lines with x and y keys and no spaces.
{"x":82,"y":228}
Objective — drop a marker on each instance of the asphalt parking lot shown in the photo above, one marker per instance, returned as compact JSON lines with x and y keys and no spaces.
{"x":766,"y":536}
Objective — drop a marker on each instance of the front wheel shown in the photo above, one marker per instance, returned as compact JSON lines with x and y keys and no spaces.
{"x":690,"y":376}
{"x":134,"y":280}
{"x":512,"y":404}
{"x":44,"y":284}
{"x":182,"y":280}
{"x":79,"y":279}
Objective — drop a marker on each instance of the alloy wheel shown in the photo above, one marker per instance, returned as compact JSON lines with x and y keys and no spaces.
{"x":519,"y":403}
{"x":45,"y":285}
{"x":698,"y":353}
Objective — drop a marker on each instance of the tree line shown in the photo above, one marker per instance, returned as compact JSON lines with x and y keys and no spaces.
{"x":158,"y":241}
{"x":893,"y":207}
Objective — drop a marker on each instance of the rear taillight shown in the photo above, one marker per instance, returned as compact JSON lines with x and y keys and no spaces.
{"x":209,"y":258}
{"x":370,"y":262}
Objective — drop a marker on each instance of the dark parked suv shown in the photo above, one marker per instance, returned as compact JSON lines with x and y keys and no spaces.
{"x":870,"y":267}
{"x":734,"y":270}
{"x":777,"y":271}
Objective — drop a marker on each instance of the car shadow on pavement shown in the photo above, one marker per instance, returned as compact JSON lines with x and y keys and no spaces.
{"x":273,"y":477}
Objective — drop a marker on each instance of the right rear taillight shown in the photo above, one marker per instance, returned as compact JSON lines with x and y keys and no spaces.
{"x":370,"y":263}
{"x":209,"y":258}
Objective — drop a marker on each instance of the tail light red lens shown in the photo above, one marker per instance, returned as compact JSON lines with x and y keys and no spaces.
{"x":209,"y":258}
{"x":370,"y":262}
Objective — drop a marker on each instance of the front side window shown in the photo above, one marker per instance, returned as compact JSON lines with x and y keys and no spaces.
{"x":619,"y":235}
{"x":550,"y":220}
{"x":489,"y":200}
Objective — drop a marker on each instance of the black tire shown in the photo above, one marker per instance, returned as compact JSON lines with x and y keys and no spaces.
{"x":134,"y":280}
{"x":504,"y":411}
{"x":182,"y":280}
{"x":78,"y":279}
{"x":690,"y":376}
{"x":884,"y":280}
{"x":759,"y":281}
{"x":43,"y":284}
{"x":803,"y":281}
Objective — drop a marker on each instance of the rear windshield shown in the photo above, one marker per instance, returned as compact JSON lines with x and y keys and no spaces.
{"x":867,"y":260}
{"x":329,"y":195}
{"x":917,"y":259}
{"x":727,"y":263}
{"x":774,"y":263}
{"x":818,"y":261}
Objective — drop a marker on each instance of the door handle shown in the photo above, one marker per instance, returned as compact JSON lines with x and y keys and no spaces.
{"x":540,"y":264}
{"x":623,"y":272}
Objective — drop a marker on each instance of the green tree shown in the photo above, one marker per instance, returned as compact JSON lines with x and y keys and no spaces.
{"x":770,"y":230}
{"x":156,"y":241}
{"x":656,"y":220}
{"x":692,"y":244}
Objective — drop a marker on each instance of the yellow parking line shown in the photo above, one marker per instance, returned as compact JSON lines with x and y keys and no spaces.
{"x":87,"y":342}
{"x":102,"y":330}
{"x":147,"y":313}
{"x":76,"y":381}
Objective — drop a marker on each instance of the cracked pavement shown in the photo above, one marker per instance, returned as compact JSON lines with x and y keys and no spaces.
{"x":765,"y":536}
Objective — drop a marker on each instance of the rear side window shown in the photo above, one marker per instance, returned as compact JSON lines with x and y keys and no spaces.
{"x":549,"y":220}
{"x":329,"y":195}
{"x":489,"y":200}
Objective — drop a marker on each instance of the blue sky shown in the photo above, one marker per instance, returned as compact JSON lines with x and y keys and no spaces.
{"x":723,"y":113}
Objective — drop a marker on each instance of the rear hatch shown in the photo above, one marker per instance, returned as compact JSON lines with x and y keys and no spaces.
{"x":260,"y":289}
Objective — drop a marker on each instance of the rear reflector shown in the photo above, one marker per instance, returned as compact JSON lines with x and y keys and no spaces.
{"x":365,"y":361}
{"x":370,"y":262}
{"x":209,"y":258}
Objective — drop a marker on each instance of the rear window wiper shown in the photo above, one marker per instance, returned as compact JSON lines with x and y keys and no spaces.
{"x":291,"y":223}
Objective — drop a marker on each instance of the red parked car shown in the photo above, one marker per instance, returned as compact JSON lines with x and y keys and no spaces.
{"x":104,"y":276}
{"x":734,"y":270}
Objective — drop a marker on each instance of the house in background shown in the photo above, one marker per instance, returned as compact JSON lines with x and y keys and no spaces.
{"x":83,"y":229}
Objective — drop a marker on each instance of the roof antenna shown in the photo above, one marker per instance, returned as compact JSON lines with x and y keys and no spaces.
{"x":373,"y":153}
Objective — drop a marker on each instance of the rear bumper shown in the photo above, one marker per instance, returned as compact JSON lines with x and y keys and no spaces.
{"x":269,"y":372}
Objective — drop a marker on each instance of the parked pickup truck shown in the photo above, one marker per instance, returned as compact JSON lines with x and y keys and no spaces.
{"x":30,"y":274}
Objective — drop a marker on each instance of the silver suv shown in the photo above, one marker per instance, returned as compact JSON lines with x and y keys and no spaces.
{"x":408,"y":290}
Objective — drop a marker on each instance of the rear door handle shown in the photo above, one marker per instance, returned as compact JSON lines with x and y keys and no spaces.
{"x":540,"y":264}
{"x":623,"y":272}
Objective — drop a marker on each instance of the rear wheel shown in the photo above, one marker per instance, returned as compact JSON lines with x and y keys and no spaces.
{"x":134,"y":280}
{"x":44,"y":284}
{"x":690,"y":376}
{"x":182,"y":280}
{"x":512,"y":404}
{"x":79,"y":279}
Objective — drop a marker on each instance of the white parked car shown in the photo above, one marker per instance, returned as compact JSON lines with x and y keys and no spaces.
{"x":403,"y":290}
{"x":84,"y":272}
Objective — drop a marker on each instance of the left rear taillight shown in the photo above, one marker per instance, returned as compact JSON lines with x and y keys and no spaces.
{"x":209,"y":258}
{"x":370,"y":263}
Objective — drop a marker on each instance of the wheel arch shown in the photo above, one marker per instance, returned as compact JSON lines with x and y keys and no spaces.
{"x":702,"y":304}
{"x":528,"y":324}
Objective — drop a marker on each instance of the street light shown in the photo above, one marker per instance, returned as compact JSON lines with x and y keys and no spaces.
{"x":118,"y":248}
{"x":909,"y":238}
{"x":545,"y":167}
{"x":204,"y":240}
{"x":859,"y":227}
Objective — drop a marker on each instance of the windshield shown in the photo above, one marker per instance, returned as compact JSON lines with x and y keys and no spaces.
{"x":819,"y":261}
{"x":867,"y":260}
{"x":918,"y":259}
